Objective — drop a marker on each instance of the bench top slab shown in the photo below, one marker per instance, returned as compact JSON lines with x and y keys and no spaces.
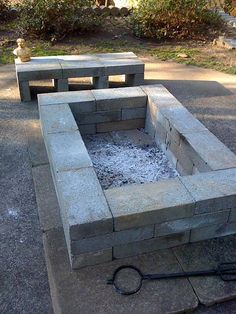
{"x":39,"y":68}
{"x":78,"y":66}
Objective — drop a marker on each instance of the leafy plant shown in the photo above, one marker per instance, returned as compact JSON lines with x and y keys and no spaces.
{"x":56,"y":18}
{"x":4,"y":10}
{"x":173,"y":18}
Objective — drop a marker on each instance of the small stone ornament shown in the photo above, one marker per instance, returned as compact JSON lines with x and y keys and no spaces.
{"x":22,"y":52}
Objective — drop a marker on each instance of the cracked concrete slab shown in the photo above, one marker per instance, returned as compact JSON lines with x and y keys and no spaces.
{"x":86,"y":291}
{"x":207,"y":255}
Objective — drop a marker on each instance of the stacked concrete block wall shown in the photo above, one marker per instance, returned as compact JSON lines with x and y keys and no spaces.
{"x":106,"y":110}
{"x":190,"y":146}
{"x":103,"y":225}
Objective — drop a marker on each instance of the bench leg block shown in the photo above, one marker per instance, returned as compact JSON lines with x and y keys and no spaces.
{"x":134,"y":79}
{"x":24,"y":90}
{"x":100,"y":82}
{"x":61,"y":85}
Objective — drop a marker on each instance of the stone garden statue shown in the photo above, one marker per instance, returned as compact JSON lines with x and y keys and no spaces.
{"x":22,"y":52}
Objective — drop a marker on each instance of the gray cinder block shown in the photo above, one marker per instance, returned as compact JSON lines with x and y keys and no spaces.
{"x":83,"y":101}
{"x":120,"y":125}
{"x":134,"y":79}
{"x":133,"y":113}
{"x":214,"y":231}
{"x":77,"y":68}
{"x":208,"y":148}
{"x":67,"y":151}
{"x":150,"y":245}
{"x":122,"y":66}
{"x":212,"y":191}
{"x":138,"y":205}
{"x":98,"y":117}
{"x":232,"y":216}
{"x":62,"y":85}
{"x":196,"y":221}
{"x":55,"y":119}
{"x":100,"y":82}
{"x":24,"y":90}
{"x":91,"y":258}
{"x":119,"y":98}
{"x":109,"y":240}
{"x":83,"y":206}
{"x":87,"y":129}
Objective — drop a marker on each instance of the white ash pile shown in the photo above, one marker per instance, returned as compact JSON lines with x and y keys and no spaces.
{"x":126,"y":157}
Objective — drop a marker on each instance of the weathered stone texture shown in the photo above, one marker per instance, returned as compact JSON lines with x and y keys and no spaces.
{"x":139,"y":205}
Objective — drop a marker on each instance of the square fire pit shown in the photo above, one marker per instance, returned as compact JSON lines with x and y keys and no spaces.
{"x":101,"y":225}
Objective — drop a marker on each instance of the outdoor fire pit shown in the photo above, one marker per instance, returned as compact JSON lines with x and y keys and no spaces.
{"x":112,"y":209}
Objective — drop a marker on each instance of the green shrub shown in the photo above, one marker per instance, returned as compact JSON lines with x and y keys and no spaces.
{"x":56,"y":18}
{"x":228,"y":5}
{"x":4,"y":10}
{"x":173,"y":18}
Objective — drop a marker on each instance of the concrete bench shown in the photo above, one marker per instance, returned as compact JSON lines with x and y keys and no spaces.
{"x":61,"y":68}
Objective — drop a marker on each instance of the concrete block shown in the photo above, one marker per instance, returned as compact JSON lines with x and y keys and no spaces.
{"x":160,"y":135}
{"x":100,"y":82}
{"x":91,"y":258}
{"x":48,"y":207}
{"x":116,"y":55}
{"x":24,"y":90}
{"x":150,"y":245}
{"x":181,"y":154}
{"x":86,"y":57}
{"x":67,"y":151}
{"x":62,"y":85}
{"x":79,"y":101}
{"x":134,"y":205}
{"x":123,"y":66}
{"x":196,"y":221}
{"x":135,"y":137}
{"x":83,"y":207}
{"x":76,"y":68}
{"x":232,"y":216}
{"x":181,"y":121}
{"x":185,"y":167}
{"x":213,"y":152}
{"x":214,"y":231}
{"x":118,"y":98}
{"x":109,"y":240}
{"x":133,"y":113}
{"x":156,"y":124}
{"x":36,"y":147}
{"x":150,"y":121}
{"x":87,"y":129}
{"x":56,"y":119}
{"x":120,"y":125}
{"x":134,"y":79}
{"x":189,"y":158}
{"x":212,"y":191}
{"x":160,"y":97}
{"x":98,"y":117}
{"x":172,"y":158}
{"x":39,"y":69}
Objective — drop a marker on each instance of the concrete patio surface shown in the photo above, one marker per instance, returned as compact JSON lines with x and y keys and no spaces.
{"x":24,"y":226}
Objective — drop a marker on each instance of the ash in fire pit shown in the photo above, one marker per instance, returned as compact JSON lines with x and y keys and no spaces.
{"x":126,"y":157}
